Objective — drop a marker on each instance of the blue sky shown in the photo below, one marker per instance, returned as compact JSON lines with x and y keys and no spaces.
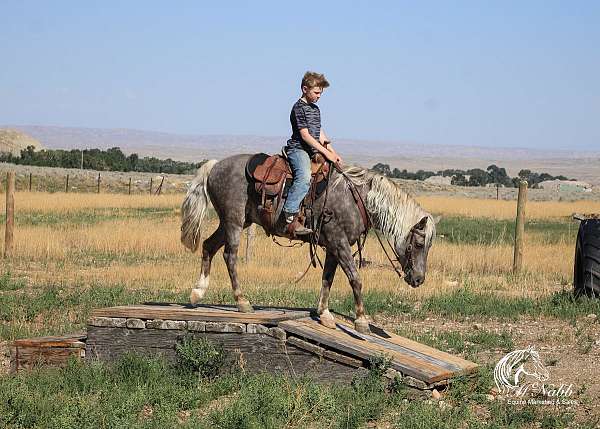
{"x":505,"y":73}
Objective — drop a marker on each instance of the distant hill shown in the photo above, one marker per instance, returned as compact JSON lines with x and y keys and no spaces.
{"x":399,"y":154}
{"x":13,"y":141}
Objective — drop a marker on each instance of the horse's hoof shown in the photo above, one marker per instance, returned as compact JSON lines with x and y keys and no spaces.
{"x":245,"y":307}
{"x":196,"y":296}
{"x":327,"y":320}
{"x":362,"y":326}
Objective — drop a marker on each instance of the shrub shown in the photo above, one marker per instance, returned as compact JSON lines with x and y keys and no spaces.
{"x":200,"y":355}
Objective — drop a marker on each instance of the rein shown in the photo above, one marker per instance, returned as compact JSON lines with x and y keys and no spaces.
{"x":408,"y":252}
{"x":368,"y":222}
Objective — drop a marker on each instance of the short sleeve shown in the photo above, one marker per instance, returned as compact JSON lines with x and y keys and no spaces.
{"x":300,"y":116}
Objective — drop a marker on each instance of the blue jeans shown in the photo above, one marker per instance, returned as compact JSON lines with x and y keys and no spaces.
{"x":300,"y":164}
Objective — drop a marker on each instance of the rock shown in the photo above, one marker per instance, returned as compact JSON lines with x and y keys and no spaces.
{"x":435,"y":394}
{"x":490,"y":397}
{"x":196,"y":325}
{"x":477,"y":326}
{"x":107,"y":322}
{"x":225,"y":327}
{"x":277,"y":333}
{"x":592,"y":316}
{"x":135,"y":323}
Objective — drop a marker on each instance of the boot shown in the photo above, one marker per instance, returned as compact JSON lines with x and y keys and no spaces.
{"x":291,"y":226}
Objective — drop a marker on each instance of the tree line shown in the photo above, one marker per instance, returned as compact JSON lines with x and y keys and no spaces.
{"x":473,"y":177}
{"x":112,"y":159}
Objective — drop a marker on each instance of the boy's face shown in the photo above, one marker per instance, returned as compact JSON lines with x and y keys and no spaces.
{"x":313,"y":94}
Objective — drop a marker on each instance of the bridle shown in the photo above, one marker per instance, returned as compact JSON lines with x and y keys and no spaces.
{"x":408,"y":252}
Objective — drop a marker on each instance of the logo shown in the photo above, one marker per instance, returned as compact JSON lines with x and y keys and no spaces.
{"x":522,"y":372}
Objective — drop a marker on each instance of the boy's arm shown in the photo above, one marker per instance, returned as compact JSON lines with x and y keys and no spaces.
{"x":327,"y":143}
{"x":311,"y":141}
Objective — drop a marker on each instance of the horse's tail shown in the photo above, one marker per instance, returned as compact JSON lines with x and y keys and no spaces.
{"x":194,"y":207}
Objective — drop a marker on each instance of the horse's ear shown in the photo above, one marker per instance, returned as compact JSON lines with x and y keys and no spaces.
{"x":422,"y":223}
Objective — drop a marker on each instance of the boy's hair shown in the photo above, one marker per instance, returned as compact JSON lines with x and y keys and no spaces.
{"x":314,"y":79}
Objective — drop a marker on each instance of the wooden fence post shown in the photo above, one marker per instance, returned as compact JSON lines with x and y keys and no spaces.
{"x":10,"y":214}
{"x":129,"y":192}
{"x":151,"y":186}
{"x":30,"y":181}
{"x":250,"y":235}
{"x":520,"y":227}
{"x":497,"y":191}
{"x":67,"y":185}
{"x":159,"y":189}
{"x":98,"y":190}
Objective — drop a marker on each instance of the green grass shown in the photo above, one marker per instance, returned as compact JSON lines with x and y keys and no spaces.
{"x":468,"y":230}
{"x":88,"y":217}
{"x":469,"y":343}
{"x":137,"y":392}
{"x":65,"y":308}
{"x":465,"y":302}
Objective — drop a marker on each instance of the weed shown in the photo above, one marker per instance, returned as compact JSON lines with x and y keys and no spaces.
{"x":200,"y":355}
{"x":8,"y":282}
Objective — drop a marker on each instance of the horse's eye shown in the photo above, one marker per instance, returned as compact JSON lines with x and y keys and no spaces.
{"x":419,"y":245}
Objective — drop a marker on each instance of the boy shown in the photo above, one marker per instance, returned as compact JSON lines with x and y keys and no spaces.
{"x":307,"y":140}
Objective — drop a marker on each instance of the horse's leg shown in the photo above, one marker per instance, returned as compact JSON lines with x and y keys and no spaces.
{"x":232,"y":244}
{"x":210,"y":246}
{"x":329,"y":268}
{"x":346,"y":261}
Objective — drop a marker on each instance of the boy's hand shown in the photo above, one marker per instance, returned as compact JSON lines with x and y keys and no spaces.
{"x":333,"y":157}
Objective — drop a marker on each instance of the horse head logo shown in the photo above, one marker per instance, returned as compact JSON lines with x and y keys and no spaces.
{"x":513,"y":368}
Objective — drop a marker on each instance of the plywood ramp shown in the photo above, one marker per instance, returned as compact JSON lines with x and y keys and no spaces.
{"x":271,"y":335}
{"x":408,"y":357}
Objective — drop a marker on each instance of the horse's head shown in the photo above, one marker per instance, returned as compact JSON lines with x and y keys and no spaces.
{"x":412,"y":253}
{"x":533,"y":365}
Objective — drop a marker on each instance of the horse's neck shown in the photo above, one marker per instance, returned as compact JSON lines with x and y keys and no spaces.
{"x":520,"y":370}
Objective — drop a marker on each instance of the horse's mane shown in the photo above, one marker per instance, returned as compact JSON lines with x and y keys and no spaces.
{"x":395,"y":211}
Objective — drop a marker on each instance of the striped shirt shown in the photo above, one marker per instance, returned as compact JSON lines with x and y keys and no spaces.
{"x":304,"y":115}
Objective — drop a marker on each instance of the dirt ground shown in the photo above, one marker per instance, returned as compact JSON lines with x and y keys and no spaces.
{"x":570,"y":351}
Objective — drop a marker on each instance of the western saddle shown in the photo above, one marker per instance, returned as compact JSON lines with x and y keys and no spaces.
{"x":272,"y":176}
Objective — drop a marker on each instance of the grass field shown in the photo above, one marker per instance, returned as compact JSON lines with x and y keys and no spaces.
{"x":77,"y":252}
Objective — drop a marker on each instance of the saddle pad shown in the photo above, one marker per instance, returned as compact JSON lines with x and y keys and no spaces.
{"x":254,"y":161}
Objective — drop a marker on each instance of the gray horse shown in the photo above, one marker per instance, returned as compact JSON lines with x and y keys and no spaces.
{"x":408,"y":227}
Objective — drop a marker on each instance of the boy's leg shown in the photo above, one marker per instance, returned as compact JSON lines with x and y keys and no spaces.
{"x":300,"y":164}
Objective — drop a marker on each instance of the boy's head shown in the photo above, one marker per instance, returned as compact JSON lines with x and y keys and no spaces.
{"x":313,"y":85}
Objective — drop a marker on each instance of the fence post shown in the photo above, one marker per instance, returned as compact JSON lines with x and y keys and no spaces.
{"x":98,"y":190}
{"x":250,"y":235}
{"x":129,"y":192}
{"x":30,"y":182}
{"x":151,"y":186}
{"x":520,"y":227}
{"x":67,"y":185}
{"x":10,"y":214}
{"x":497,"y":191}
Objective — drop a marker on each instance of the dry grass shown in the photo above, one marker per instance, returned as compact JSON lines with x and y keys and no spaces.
{"x":147,"y":253}
{"x":499,"y":209}
{"x":61,"y":202}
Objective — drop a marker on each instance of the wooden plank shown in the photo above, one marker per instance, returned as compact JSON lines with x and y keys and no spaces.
{"x":252,"y":352}
{"x":378,"y":332}
{"x":354,"y":347}
{"x":351,"y":344}
{"x":212,"y":314}
{"x":72,"y":340}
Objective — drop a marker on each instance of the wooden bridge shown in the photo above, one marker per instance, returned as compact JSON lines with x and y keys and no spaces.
{"x":278,"y":340}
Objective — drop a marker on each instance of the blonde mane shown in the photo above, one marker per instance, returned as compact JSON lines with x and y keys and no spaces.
{"x":393,"y":211}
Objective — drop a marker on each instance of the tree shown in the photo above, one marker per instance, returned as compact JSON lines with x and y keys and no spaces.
{"x":383,"y":169}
